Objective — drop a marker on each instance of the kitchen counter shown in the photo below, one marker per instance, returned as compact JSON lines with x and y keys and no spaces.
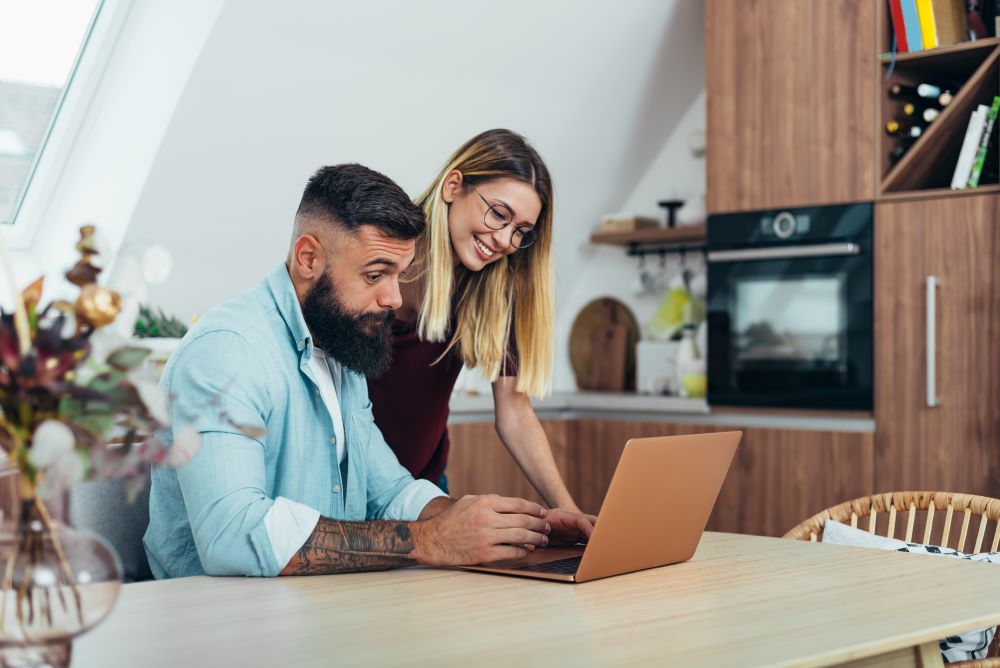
{"x":650,"y":408}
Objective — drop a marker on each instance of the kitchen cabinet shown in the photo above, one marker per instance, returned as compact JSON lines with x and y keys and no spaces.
{"x":955,"y":444}
{"x":478,"y":462}
{"x":790,"y":103}
{"x":779,"y":476}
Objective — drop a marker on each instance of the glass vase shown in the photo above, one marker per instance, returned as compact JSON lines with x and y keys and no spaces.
{"x":56,"y":582}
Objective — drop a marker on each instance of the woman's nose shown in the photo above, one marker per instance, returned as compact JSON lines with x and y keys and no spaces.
{"x":502,"y":239}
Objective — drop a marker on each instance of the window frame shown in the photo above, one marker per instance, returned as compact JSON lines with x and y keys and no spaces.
{"x":67,"y":120}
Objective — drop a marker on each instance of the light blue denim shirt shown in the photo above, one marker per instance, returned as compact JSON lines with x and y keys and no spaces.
{"x":246,"y":362}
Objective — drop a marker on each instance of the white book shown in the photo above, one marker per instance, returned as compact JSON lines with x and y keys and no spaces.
{"x":967,"y":156}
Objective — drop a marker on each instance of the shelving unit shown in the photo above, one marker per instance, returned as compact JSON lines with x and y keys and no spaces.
{"x":656,"y":239}
{"x":927,"y":167}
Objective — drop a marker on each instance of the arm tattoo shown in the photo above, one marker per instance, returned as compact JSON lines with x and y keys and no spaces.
{"x":353,"y":547}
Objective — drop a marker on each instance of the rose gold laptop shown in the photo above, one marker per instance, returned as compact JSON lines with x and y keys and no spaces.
{"x":654,"y":513}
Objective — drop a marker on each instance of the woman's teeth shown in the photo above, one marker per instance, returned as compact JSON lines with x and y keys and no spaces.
{"x":483,"y":248}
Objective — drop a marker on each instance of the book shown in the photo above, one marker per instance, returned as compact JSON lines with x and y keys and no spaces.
{"x":912,"y":22}
{"x":928,"y":33}
{"x":984,"y":144}
{"x":973,"y":133}
{"x":950,"y":21}
{"x":974,"y":19}
{"x":896,"y":10}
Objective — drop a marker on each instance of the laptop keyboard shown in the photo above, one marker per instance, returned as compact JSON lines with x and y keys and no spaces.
{"x":566,"y":566}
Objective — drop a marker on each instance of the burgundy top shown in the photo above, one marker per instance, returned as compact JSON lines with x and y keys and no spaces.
{"x":410,"y":400}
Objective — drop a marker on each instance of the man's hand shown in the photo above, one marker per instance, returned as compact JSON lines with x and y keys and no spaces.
{"x":570,"y":528}
{"x":480,"y":529}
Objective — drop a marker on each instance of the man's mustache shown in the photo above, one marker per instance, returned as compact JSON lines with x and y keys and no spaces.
{"x":379,"y":319}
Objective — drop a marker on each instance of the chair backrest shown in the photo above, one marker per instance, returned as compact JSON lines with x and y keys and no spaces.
{"x":101,"y":506}
{"x":868,"y":512}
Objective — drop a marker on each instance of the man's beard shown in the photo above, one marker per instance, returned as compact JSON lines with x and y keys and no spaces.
{"x":362,"y":342}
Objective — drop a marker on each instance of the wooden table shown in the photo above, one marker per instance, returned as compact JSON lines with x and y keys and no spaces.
{"x":742,"y":600}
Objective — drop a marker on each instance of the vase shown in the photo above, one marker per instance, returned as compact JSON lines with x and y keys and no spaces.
{"x":57,"y":581}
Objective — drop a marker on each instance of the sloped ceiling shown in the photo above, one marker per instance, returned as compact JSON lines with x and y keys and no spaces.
{"x":282,"y":88}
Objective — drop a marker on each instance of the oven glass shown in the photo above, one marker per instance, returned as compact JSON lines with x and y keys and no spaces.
{"x":801,"y":320}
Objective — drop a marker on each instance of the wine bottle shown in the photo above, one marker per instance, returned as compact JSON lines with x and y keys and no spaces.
{"x":919,"y":108}
{"x":898,"y":129}
{"x":923,"y":90}
{"x":899,"y":151}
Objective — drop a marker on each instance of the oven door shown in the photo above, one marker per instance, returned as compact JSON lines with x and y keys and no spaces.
{"x":791,"y":326}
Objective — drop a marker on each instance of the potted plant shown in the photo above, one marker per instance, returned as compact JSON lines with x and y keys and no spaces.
{"x":160,"y":333}
{"x":73,"y":405}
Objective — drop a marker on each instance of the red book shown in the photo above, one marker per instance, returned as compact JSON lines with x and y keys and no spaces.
{"x":897,"y":24}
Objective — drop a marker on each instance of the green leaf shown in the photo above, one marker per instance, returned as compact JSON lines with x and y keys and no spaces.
{"x":128,"y":358}
{"x":98,"y":424}
{"x":107,"y":382}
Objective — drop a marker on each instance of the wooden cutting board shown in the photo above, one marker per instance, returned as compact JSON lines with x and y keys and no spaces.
{"x":602,"y":346}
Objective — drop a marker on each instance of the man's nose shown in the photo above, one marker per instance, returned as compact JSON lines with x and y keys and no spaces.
{"x":390,"y":297}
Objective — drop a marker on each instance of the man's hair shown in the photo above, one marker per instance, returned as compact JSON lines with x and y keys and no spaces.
{"x":352,"y":195}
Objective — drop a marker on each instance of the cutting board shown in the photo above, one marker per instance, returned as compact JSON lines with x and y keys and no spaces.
{"x":602,"y":346}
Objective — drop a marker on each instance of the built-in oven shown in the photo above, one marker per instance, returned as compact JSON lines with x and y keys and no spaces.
{"x":790,"y":308}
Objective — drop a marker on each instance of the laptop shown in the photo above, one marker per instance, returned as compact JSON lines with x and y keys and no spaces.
{"x":654,"y":513}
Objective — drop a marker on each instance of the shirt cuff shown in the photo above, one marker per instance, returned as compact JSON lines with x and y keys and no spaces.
{"x":410,"y":502}
{"x":289,"y":525}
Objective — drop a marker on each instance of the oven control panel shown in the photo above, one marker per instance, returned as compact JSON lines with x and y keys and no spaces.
{"x":784,"y":225}
{"x":792,"y":226}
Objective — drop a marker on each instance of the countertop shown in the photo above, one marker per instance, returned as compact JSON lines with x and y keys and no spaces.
{"x":653,"y":408}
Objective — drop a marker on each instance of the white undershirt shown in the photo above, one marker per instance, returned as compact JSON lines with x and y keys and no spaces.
{"x":327,"y":374}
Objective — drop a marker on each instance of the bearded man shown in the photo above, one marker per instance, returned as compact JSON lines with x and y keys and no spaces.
{"x":292,"y":476}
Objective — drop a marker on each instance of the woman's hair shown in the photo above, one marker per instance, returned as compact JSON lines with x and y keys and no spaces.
{"x":511,"y":295}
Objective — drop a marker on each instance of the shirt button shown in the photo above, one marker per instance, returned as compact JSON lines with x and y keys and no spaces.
{"x":336,"y":489}
{"x":333,"y":440}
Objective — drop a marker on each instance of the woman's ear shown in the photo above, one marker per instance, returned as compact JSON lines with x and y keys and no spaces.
{"x":451,"y":186}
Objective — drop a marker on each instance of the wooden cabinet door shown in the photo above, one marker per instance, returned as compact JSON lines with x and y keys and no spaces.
{"x":780,"y":477}
{"x":790,"y":103}
{"x":954,"y":446}
{"x":478,"y":463}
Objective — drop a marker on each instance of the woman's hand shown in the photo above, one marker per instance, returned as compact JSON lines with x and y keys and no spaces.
{"x":569,"y":527}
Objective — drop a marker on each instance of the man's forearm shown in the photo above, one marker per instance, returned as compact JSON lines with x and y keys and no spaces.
{"x":353,"y":547}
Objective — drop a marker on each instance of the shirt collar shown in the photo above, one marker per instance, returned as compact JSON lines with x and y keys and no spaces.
{"x":287,"y":301}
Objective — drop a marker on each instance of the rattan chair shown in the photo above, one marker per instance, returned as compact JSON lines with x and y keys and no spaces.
{"x":958,"y":510}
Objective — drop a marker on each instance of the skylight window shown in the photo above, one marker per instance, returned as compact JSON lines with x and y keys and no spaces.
{"x":40,"y":46}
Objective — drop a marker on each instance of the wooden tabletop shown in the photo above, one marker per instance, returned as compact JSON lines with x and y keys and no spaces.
{"x":742,"y":600}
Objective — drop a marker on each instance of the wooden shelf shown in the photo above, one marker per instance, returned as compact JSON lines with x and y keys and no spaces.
{"x":939,"y":193}
{"x":929,"y":163}
{"x":942,"y":52}
{"x":660,"y":236}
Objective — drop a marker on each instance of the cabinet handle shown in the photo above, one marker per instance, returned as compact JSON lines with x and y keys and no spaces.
{"x":932,"y":286}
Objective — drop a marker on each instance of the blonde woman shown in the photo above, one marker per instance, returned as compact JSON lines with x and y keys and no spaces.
{"x":480,"y":293}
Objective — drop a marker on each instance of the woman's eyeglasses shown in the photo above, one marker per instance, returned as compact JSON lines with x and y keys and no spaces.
{"x":499,"y":216}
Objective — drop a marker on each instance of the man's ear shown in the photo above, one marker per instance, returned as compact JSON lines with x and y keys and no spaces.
{"x":308,"y":258}
{"x":452,"y":186}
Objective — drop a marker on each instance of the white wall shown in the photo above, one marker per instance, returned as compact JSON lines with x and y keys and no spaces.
{"x":607,"y":270}
{"x":109,"y":133}
{"x":605,"y":91}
